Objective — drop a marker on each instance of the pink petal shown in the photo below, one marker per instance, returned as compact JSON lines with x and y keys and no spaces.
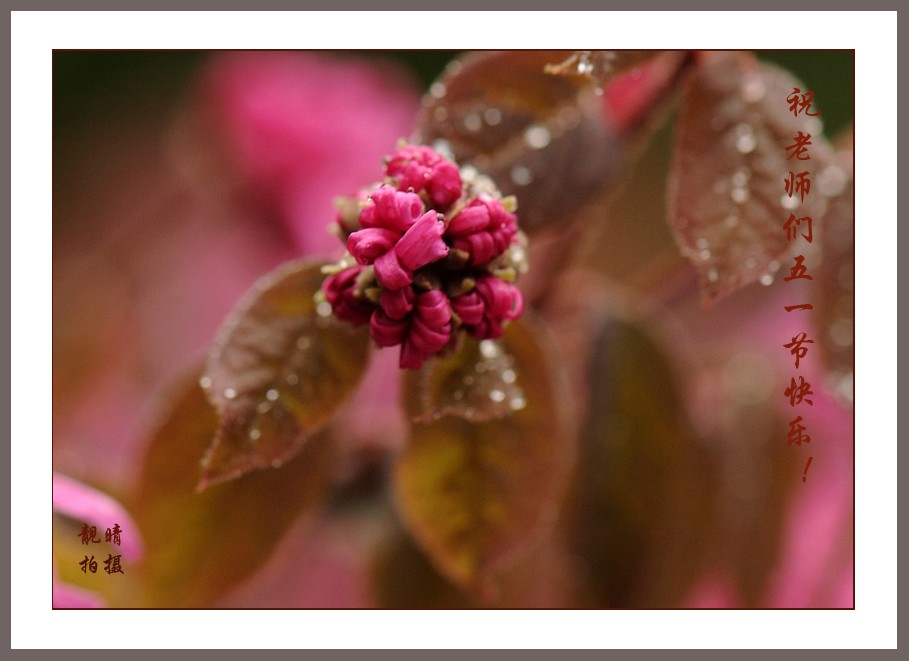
{"x":387,"y":332}
{"x":422,"y":244}
{"x":469,"y":308}
{"x":82,"y":503}
{"x":412,"y":358}
{"x":368,"y":244}
{"x":473,"y":218}
{"x":433,"y":308}
{"x":389,"y":272}
{"x":397,"y":304}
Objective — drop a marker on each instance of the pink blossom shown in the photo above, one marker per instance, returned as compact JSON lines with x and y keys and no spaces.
{"x":300,"y":127}
{"x":346,"y":302}
{"x":400,"y":237}
{"x":485,"y":310}
{"x":422,"y":169}
{"x":483,"y":229}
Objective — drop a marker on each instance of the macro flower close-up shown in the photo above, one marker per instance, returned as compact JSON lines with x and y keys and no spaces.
{"x":431,"y":330}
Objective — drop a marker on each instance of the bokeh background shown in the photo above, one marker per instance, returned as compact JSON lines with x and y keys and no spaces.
{"x":179,"y":177}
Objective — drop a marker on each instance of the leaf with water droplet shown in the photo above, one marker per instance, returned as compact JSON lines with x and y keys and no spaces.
{"x":726,"y":197}
{"x":538,"y":136}
{"x":474,"y":493}
{"x":278,"y":371}
{"x":639,"y":510}
{"x":836,"y":276}
{"x":600,"y":66}
{"x":199,"y":545}
{"x":480,"y":381}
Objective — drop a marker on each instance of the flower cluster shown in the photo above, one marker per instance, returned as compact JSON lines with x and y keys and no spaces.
{"x":431,"y":251}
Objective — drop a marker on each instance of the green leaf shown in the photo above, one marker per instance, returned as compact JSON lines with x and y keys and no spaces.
{"x":474,"y":493}
{"x":640,"y":509}
{"x":279,"y":369}
{"x":538,"y":136}
{"x":198,"y":545}
{"x":728,"y":171}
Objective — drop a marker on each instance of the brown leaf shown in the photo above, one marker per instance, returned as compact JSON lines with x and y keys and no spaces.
{"x":199,"y":545}
{"x":600,"y":66}
{"x":403,"y":577}
{"x":277,"y":372}
{"x":836,"y":276}
{"x":726,"y":191}
{"x":478,"y":382}
{"x":640,"y":509}
{"x":473,"y":493}
{"x":540,"y":137}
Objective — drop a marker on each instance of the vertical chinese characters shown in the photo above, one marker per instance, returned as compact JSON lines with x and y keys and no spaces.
{"x":798,"y":229}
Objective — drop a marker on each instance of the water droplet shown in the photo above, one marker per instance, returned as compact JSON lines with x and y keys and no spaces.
{"x":497,"y":395}
{"x":750,"y":263}
{"x":229,"y":393}
{"x":712,"y":274}
{"x":437,"y":89}
{"x":292,"y":379}
{"x":521,"y":175}
{"x":704,"y":255}
{"x":458,"y":395}
{"x":744,"y":139}
{"x":745,"y":144}
{"x":472,"y":122}
{"x":731,"y":221}
{"x":509,"y":376}
{"x":303,"y":343}
{"x":753,"y":89}
{"x":832,"y":181}
{"x":789,"y":203}
{"x":537,"y":136}
{"x":444,"y":148}
{"x":271,"y":395}
{"x":841,"y":332}
{"x":254,"y":434}
{"x":323,"y":309}
{"x":492,"y":116}
{"x":845,"y":385}
{"x":518,"y":402}
{"x":740,"y":178}
{"x":766,"y":279}
{"x":701,"y":244}
{"x":739,"y":195}
{"x":490,"y":349}
{"x":440,"y":114}
{"x":585,"y":67}
{"x":263,"y":407}
{"x":205,"y":382}
{"x":276,"y":463}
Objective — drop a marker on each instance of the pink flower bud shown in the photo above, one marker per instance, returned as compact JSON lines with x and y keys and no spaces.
{"x":423,"y":169}
{"x":368,"y":244}
{"x":340,"y":291}
{"x":430,"y":329}
{"x":391,"y":209}
{"x":422,"y":244}
{"x":483,"y":230}
{"x":404,"y":234}
{"x":484,"y":311}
